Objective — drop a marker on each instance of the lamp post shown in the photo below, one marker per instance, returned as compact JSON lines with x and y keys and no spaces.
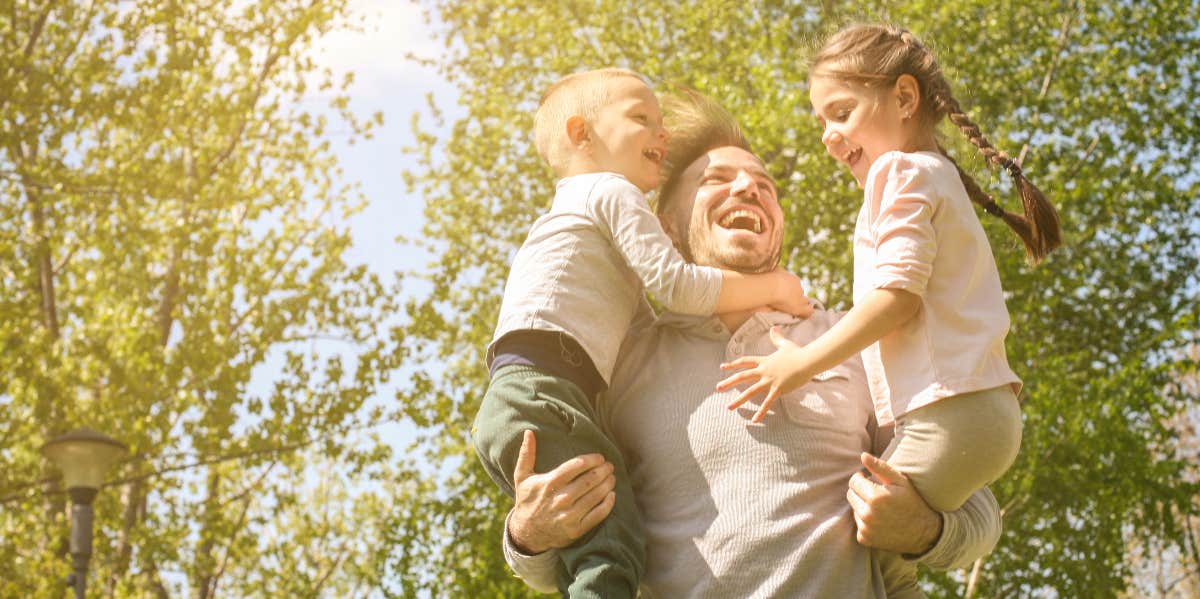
{"x":83,"y":455}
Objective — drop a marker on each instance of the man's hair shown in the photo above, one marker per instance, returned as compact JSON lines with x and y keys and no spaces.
{"x":696,"y":125}
{"x":580,"y":94}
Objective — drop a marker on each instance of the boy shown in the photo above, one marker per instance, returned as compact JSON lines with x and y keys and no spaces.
{"x":575,"y":287}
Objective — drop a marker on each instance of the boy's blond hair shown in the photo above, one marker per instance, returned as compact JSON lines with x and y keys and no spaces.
{"x":580,"y":94}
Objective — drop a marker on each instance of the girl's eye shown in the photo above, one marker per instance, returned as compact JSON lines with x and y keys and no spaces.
{"x":641,"y":118}
{"x":842,"y":115}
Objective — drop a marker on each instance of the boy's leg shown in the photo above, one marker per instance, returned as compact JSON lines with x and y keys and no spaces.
{"x":608,"y":561}
{"x":956,"y":446}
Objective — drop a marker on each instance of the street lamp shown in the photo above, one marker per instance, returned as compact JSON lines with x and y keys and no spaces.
{"x":83,"y":455}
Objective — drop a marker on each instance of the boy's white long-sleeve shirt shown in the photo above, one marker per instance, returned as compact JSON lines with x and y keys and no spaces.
{"x":586,"y":264}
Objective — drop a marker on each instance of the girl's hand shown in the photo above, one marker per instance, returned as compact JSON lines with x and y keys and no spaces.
{"x":775,"y":374}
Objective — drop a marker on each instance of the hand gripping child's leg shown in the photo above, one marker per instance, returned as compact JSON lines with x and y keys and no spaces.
{"x":609,"y":560}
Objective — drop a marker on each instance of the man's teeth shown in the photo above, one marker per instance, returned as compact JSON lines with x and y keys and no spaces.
{"x":754,"y":223}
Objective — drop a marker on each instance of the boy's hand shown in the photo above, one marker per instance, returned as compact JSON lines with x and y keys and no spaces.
{"x":775,"y":374}
{"x":790,"y":296}
{"x":554,"y":509}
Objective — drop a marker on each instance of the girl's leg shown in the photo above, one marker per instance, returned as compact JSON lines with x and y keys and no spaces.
{"x":958,"y":445}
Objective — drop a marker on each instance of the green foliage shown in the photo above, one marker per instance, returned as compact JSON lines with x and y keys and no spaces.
{"x":172,"y":220}
{"x":1102,"y":95}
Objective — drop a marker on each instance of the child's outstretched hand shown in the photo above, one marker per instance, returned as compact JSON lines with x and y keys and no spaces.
{"x":775,"y":374}
{"x":790,"y":298}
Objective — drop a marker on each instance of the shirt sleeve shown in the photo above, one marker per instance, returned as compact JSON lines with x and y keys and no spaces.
{"x":968,"y":533}
{"x":902,"y":202}
{"x":621,"y":211}
{"x":538,"y":571}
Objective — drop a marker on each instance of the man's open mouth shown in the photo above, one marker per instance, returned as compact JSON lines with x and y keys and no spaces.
{"x":742,"y":219}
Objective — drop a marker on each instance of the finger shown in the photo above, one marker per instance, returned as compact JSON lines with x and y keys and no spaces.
{"x":777,"y":337}
{"x":742,"y":362}
{"x":857,"y":504}
{"x":748,"y":394}
{"x":594,"y":495}
{"x":772,"y":395}
{"x":883,"y":470}
{"x":598,"y":513}
{"x":526,"y":458}
{"x":572,"y":468}
{"x":734,"y":379}
{"x":863,"y":487}
{"x":587,"y":481}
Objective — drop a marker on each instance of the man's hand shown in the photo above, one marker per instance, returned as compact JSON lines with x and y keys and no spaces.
{"x":554,"y":509}
{"x":889,"y":512}
{"x":775,"y":374}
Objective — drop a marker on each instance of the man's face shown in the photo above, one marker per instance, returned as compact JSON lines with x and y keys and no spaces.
{"x":724,"y":212}
{"x":629,"y":138}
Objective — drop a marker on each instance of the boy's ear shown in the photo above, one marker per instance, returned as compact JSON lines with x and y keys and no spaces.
{"x":908,"y":94}
{"x":577,"y":132}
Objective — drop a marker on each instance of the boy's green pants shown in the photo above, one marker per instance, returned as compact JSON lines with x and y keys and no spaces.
{"x":609,"y":560}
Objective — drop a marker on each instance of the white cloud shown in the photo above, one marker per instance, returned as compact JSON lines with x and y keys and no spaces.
{"x":376,"y":53}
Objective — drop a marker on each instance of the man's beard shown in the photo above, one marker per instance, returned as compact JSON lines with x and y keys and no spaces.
{"x":745,"y":261}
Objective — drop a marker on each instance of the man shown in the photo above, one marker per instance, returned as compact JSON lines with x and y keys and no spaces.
{"x":732,"y":508}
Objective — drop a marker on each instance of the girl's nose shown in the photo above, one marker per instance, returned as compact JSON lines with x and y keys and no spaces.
{"x":831,"y":138}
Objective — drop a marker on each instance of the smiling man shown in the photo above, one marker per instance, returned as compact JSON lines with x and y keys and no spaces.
{"x":732,"y":508}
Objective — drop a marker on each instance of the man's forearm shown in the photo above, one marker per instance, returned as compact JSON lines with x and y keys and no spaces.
{"x":967,"y":534}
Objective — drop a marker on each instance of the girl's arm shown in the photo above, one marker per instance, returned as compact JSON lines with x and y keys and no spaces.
{"x":792,"y":365}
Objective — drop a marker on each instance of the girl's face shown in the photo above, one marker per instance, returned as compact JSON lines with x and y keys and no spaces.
{"x":860,"y":123}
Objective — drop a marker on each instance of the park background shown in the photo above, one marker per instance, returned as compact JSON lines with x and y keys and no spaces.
{"x":263,"y":242}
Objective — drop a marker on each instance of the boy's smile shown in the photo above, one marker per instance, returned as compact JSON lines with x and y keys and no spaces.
{"x":628,"y":137}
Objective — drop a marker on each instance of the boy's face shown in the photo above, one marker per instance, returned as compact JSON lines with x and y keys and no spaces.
{"x":628,"y":137}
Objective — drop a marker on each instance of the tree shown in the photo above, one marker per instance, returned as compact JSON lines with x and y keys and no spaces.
{"x":172,"y":226}
{"x":1096,"y":101}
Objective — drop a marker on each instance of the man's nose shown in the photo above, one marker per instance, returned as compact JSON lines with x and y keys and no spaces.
{"x":744,"y":186}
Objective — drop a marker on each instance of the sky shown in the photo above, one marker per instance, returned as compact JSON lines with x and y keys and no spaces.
{"x":384,"y":80}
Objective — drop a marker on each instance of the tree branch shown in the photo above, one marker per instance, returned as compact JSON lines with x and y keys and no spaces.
{"x":1063,"y":36}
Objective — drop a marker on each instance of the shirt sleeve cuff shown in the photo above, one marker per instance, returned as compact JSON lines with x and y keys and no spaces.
{"x":538,"y":571}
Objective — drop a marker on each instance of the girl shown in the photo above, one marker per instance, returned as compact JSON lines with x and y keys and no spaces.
{"x":929,"y":314}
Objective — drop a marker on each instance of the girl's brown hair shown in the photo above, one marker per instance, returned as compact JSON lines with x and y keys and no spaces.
{"x":876,"y":56}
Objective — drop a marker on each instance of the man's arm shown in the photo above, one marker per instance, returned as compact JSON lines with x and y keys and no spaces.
{"x":891,"y":515}
{"x":552,"y":510}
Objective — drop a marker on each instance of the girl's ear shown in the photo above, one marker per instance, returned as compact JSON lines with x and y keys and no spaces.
{"x":577,"y":131}
{"x":908,"y":95}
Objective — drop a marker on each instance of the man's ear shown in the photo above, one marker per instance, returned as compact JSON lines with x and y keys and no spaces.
{"x":577,"y":131}
{"x":908,"y":95}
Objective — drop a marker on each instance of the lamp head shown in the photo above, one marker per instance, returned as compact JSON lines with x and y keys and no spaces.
{"x":83,"y":455}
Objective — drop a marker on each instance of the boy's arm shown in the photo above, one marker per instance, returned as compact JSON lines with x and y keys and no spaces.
{"x":621,"y":211}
